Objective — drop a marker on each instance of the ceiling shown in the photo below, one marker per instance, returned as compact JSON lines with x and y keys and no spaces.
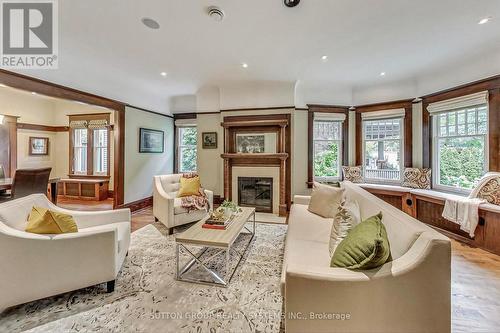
{"x":105,"y":49}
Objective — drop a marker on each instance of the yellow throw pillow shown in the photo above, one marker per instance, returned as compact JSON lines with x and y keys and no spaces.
{"x":189,"y":186}
{"x":44,"y":221}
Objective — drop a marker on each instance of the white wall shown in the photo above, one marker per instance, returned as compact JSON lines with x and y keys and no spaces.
{"x":257,"y":95}
{"x":141,"y":167}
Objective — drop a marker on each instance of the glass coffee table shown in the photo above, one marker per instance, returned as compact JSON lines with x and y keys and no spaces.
{"x":222,"y":240}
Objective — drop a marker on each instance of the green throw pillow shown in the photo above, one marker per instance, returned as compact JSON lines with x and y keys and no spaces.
{"x":365,"y":247}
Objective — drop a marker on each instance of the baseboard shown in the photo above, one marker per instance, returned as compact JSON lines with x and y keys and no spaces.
{"x":138,"y":204}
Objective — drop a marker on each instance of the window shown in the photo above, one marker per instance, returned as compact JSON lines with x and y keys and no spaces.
{"x":460,"y":147}
{"x":187,"y":140}
{"x":89,"y":145}
{"x":327,"y":145}
{"x":383,"y":149}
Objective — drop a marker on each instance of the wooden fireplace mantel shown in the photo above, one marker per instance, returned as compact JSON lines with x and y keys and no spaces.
{"x":278,"y":124}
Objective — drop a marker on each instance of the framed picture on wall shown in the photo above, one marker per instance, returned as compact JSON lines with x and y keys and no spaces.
{"x":250,"y":143}
{"x":151,"y":141}
{"x":209,"y":140}
{"x":39,"y":146}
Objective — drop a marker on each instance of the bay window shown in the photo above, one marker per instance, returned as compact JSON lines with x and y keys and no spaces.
{"x":383,"y":145}
{"x":89,"y":145}
{"x":327,"y":149}
{"x":460,"y":142}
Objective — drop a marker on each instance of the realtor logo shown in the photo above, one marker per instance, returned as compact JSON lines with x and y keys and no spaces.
{"x":29,"y":34}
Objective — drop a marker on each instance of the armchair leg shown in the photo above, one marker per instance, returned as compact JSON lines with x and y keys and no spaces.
{"x":110,"y":286}
{"x":170,"y":231}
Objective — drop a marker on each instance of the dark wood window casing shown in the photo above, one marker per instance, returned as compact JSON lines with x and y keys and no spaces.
{"x":90,"y":145}
{"x":310,"y":135}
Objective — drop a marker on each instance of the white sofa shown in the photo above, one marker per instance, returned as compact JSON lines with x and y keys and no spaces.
{"x":409,"y":294}
{"x":167,"y":207}
{"x":36,"y":266}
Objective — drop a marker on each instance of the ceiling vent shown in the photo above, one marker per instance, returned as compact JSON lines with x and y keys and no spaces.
{"x":291,"y":3}
{"x":216,"y":13}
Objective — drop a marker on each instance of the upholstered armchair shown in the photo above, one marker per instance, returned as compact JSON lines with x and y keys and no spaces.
{"x":35,"y":266}
{"x":167,"y":207}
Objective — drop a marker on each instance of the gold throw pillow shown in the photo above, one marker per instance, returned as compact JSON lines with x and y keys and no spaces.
{"x":44,"y":221}
{"x":189,"y":186}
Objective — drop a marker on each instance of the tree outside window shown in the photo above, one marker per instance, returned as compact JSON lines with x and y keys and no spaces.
{"x":187,"y":148}
{"x":327,"y":150}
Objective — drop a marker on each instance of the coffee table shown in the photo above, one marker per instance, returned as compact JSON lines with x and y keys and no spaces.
{"x":212,"y":239}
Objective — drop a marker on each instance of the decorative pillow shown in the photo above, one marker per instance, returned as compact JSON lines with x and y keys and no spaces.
{"x":365,"y":247}
{"x":189,"y":186}
{"x":348,"y":215}
{"x":44,"y":221}
{"x":417,"y":178}
{"x":325,"y":199}
{"x":353,"y":173}
{"x":491,"y":191}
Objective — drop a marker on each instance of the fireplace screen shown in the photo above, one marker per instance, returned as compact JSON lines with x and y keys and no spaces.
{"x":256,"y":192}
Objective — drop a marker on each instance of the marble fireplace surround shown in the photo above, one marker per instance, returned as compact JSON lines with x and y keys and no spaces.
{"x":255,"y":171}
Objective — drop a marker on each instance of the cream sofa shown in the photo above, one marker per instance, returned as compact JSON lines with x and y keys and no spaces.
{"x":167,"y":207}
{"x":35,"y":266}
{"x":409,"y":294}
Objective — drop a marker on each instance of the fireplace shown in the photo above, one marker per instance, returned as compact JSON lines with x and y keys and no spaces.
{"x":256,"y":192}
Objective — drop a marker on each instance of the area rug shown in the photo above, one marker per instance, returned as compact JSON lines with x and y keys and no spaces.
{"x":269,"y":218}
{"x":148,"y":298}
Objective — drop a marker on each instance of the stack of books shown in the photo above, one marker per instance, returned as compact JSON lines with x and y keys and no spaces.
{"x":219,"y":224}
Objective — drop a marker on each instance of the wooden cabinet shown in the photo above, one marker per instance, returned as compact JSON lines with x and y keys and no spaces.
{"x":84,"y":189}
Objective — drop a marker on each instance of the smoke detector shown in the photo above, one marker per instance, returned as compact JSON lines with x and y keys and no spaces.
{"x":216,"y":13}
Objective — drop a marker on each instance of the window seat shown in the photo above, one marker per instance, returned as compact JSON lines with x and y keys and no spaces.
{"x":422,"y":194}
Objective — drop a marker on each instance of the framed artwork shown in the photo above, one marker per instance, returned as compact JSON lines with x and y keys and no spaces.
{"x":39,"y":146}
{"x":151,"y":141}
{"x":209,"y":140}
{"x":250,"y":143}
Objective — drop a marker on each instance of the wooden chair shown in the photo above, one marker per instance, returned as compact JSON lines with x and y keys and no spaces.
{"x":29,"y":181}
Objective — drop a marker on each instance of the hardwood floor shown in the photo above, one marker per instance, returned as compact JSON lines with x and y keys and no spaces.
{"x":475,"y":283}
{"x":85,"y":205}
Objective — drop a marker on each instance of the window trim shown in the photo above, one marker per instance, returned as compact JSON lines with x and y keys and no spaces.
{"x":312,"y":108}
{"x":178,"y":147}
{"x":90,"y":146}
{"x":401,"y":147}
{"x":330,"y":179}
{"x":435,"y":151}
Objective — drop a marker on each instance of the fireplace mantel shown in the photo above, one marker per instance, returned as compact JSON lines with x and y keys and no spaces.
{"x":278,"y":124}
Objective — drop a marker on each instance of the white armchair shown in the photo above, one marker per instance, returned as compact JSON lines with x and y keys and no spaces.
{"x":167,"y":207}
{"x":36,"y":266}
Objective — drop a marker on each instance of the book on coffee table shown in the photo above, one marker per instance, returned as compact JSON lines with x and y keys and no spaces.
{"x":219,"y":224}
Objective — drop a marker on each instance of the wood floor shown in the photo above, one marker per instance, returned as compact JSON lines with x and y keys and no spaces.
{"x":84,"y":205}
{"x":475,"y":284}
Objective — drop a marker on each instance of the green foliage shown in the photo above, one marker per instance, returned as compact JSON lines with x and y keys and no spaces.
{"x":461,"y":161}
{"x":325,"y":162}
{"x":188,"y":154}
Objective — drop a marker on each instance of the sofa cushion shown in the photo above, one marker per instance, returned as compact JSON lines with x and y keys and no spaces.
{"x":189,"y":186}
{"x":417,"y":178}
{"x":365,"y":247}
{"x":491,"y":191}
{"x":305,"y":225}
{"x":44,"y":221}
{"x":353,"y":173}
{"x":348,"y":216}
{"x":325,"y":199}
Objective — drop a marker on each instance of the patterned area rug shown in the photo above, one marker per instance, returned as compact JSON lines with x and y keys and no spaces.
{"x":148,"y":298}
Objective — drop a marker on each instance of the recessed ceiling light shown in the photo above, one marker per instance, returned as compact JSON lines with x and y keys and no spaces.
{"x":163,"y":74}
{"x":382,"y":73}
{"x":325,"y":57}
{"x":484,"y":20}
{"x":2,"y":85}
{"x":33,"y":93}
{"x":215,"y":13}
{"x":150,"y":23}
{"x":244,"y":65}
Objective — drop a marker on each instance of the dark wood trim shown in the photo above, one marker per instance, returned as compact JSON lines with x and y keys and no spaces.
{"x":149,"y":111}
{"x":27,"y":83}
{"x":254,"y":123}
{"x":492,"y":85}
{"x":42,"y":128}
{"x":119,"y":157}
{"x":310,"y":136}
{"x":301,"y":109}
{"x":259,"y":109}
{"x":72,"y":176}
{"x":138,"y":204}
{"x":218,"y":199}
{"x":191,"y":115}
{"x":408,"y":134}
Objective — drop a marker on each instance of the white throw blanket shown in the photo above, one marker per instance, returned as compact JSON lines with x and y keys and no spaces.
{"x":464,"y":211}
